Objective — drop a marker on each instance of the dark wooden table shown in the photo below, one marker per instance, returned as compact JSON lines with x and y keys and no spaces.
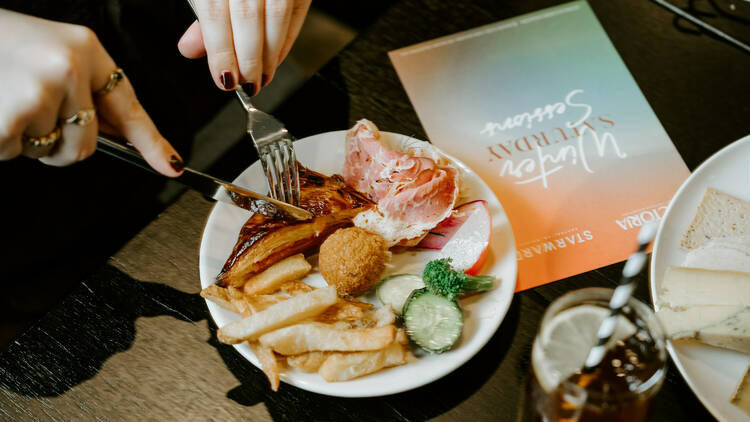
{"x":136,"y":342}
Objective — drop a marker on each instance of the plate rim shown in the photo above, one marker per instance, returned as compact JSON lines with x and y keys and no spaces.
{"x":714,"y":409}
{"x":213,"y":308}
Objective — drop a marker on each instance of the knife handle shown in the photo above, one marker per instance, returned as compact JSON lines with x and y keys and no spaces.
{"x":111,"y":147}
{"x":208,"y":185}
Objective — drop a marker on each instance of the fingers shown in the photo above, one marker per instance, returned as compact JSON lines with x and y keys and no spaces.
{"x":191,"y":43}
{"x":45,"y":112}
{"x":35,"y":116}
{"x":77,"y":142}
{"x":278,"y":17}
{"x":42,"y":117}
{"x":122,"y":111}
{"x":245,"y":40}
{"x":247,"y":28}
{"x":15,"y":116}
{"x":54,"y":78}
{"x":217,"y":37}
{"x":299,"y":12}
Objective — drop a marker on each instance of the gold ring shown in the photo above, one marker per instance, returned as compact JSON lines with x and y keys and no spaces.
{"x":82,"y":118}
{"x":114,"y":78}
{"x":44,"y":141}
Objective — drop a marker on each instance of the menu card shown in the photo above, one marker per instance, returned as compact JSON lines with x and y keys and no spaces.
{"x":544,"y":110}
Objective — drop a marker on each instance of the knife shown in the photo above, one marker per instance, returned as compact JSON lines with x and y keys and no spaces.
{"x":209,"y":186}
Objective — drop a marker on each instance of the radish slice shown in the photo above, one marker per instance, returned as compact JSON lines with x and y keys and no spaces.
{"x":464,"y":236}
{"x":440,"y":235}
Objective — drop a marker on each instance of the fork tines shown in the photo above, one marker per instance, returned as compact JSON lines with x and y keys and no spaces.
{"x":280,"y":165}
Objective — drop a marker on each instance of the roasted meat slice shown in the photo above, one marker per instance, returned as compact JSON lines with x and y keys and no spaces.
{"x":265,"y":240}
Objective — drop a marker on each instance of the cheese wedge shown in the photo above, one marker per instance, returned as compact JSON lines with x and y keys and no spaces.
{"x":720,"y":326}
{"x":718,"y":215}
{"x":726,"y":254}
{"x":741,"y":397}
{"x":686,"y":287}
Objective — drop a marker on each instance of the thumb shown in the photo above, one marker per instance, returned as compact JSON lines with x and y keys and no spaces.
{"x":191,"y":43}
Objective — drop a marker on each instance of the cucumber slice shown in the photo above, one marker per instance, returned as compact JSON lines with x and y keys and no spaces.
{"x":433,"y":322}
{"x":395,"y":289}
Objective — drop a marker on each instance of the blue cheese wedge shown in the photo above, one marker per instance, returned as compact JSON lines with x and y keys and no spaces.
{"x":709,"y":306}
{"x":720,"y":326}
{"x":741,"y":397}
{"x":684,"y":287}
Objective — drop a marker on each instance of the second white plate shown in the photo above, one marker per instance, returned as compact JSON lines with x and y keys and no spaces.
{"x":712,"y":373}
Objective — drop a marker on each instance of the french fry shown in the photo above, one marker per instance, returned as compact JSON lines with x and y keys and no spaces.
{"x":307,"y":362}
{"x":402,"y":337}
{"x":268,"y":281}
{"x":382,"y":316}
{"x":279,"y":315}
{"x":238,"y":300}
{"x":344,"y":309}
{"x":258,"y":303}
{"x":371,"y":318}
{"x":346,"y":366}
{"x":218,"y":295}
{"x":295,"y":287}
{"x":268,"y":363}
{"x":342,"y":325}
{"x":315,"y":336}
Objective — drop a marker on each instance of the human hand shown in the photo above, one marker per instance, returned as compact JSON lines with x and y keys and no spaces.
{"x":48,"y":73}
{"x":246,"y":40}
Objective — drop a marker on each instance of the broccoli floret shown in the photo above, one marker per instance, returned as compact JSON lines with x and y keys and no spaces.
{"x":441,"y":279}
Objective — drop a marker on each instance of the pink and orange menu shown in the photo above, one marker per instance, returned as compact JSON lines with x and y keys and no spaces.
{"x":542,"y":107}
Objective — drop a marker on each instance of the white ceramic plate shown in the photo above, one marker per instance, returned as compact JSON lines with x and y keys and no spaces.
{"x":482,"y":313}
{"x":711,"y":372}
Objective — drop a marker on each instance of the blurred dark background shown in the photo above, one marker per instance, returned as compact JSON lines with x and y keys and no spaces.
{"x":61,"y":224}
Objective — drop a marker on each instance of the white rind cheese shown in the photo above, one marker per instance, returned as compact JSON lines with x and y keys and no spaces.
{"x":727,"y":254}
{"x":720,"y":326}
{"x":686,"y":287}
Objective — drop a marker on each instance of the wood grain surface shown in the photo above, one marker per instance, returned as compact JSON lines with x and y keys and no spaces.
{"x":135,"y":341}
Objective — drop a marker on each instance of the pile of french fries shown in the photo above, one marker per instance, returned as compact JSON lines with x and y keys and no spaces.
{"x":287,"y":321}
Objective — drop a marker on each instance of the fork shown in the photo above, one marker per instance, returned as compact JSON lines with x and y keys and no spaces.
{"x":275,"y":151}
{"x":274,"y":145}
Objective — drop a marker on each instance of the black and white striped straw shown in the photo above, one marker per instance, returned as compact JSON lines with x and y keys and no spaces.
{"x":620,"y":297}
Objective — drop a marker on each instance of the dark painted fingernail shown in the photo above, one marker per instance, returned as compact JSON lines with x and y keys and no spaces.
{"x":264,"y":80}
{"x":177,"y":164}
{"x":249,"y":89}
{"x":227,"y":80}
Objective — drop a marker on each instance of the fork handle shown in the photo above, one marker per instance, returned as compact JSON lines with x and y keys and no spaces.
{"x":245,"y":100}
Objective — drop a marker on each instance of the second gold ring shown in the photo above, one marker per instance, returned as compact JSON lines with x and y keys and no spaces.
{"x":82,"y":118}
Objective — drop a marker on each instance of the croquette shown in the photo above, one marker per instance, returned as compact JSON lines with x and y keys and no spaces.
{"x":352,"y":260}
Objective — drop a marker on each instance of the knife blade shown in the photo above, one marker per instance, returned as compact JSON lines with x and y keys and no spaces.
{"x":209,"y":186}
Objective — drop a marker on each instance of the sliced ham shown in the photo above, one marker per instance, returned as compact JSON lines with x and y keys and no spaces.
{"x":413,"y":193}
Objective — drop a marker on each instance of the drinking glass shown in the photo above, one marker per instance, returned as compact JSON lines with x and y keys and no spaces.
{"x":621,"y":387}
